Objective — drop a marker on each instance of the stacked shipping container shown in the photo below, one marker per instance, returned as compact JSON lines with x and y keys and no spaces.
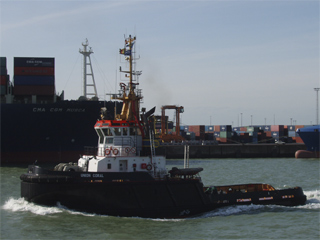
{"x":248,"y":134}
{"x":34,"y":76}
{"x":198,"y":130}
{"x":293,"y":134}
{"x":223,"y":133}
{"x":4,"y":77}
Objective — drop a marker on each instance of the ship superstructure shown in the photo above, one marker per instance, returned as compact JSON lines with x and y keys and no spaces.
{"x":120,"y":140}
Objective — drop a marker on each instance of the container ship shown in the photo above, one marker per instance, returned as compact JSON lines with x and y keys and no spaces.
{"x":39,"y":125}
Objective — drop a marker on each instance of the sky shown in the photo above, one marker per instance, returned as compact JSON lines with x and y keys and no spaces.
{"x":226,"y":62}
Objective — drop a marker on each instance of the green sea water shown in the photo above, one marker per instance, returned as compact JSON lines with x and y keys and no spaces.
{"x":23,"y":220}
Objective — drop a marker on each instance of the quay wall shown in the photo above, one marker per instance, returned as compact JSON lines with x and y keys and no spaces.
{"x":231,"y":151}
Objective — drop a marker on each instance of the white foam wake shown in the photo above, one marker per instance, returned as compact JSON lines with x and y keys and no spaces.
{"x":21,"y":205}
{"x":313,"y":199}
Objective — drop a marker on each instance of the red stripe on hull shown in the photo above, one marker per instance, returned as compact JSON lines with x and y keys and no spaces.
{"x":307,"y":154}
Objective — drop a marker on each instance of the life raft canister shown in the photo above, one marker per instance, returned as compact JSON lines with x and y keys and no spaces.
{"x":107,"y":151}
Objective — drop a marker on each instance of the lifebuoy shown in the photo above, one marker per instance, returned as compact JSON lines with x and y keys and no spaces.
{"x":107,"y":151}
{"x":133,"y":150}
{"x":115,"y":151}
{"x":127,"y":149}
{"x":149,"y":167}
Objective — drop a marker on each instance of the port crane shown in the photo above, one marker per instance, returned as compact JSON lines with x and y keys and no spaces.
{"x":164,"y":131}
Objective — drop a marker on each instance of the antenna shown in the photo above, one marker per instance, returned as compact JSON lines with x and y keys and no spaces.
{"x":317,"y":110}
{"x":86,"y":55}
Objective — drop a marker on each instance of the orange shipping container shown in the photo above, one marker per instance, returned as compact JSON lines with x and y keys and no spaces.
{"x":299,"y":140}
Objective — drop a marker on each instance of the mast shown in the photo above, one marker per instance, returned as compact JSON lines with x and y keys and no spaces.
{"x":130,"y":95}
{"x":86,"y":55}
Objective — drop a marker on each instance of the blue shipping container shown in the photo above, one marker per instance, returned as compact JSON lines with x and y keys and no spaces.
{"x":3,"y":71}
{"x":266,"y":128}
{"x":3,"y":62}
{"x":276,"y":134}
{"x":291,"y":127}
{"x":3,"y":89}
{"x":217,"y":134}
{"x":34,"y":80}
{"x":225,"y":128}
{"x":209,"y":128}
{"x":291,"y":133}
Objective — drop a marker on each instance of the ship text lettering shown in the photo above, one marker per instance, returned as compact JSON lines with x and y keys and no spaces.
{"x":85,"y":175}
{"x":39,"y":109}
{"x":76,"y":110}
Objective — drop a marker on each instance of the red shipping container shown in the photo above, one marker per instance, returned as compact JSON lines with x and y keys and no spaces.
{"x":243,"y":129}
{"x":277,"y":128}
{"x":268,"y":134}
{"x":298,"y":140}
{"x":34,"y":90}
{"x":3,"y":80}
{"x":197,"y":128}
{"x":34,"y":71}
{"x":299,"y":126}
{"x":217,"y":128}
{"x":223,"y":140}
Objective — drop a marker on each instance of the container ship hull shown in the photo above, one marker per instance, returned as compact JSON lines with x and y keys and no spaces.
{"x":311,"y":137}
{"x":48,"y":132}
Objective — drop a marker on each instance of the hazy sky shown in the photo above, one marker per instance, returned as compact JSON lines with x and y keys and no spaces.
{"x":218,"y":59}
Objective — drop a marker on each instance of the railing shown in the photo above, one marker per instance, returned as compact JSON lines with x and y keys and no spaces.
{"x":90,"y":150}
{"x":115,"y":151}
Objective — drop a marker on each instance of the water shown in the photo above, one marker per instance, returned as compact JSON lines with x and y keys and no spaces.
{"x":23,"y":220}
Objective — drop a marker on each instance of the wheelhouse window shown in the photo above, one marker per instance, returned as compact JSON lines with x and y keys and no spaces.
{"x":100,"y":134}
{"x":107,"y":131}
{"x":125,"y":131}
{"x":132,"y":131}
{"x":117,"y":131}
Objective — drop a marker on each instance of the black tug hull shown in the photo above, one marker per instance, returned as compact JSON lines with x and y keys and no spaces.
{"x":137,"y":194}
{"x":157,"y":199}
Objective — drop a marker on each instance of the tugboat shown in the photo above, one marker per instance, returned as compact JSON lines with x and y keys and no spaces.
{"x":124,"y":177}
